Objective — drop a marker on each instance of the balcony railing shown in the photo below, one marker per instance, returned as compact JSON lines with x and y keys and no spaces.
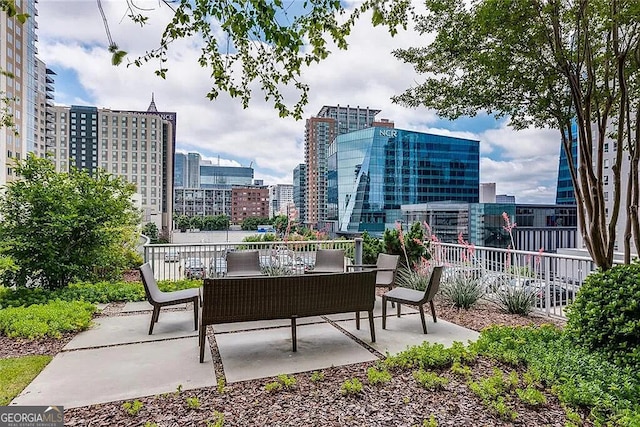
{"x":553,"y":278}
{"x":168,"y":260}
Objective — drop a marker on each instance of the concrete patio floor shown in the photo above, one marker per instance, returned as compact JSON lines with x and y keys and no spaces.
{"x":117,"y":360}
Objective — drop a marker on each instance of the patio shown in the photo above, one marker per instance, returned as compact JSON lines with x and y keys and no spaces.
{"x":117,"y":360}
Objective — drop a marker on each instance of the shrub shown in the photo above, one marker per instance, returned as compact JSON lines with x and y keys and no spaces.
{"x":579,"y":377}
{"x":531,"y":396}
{"x":430,"y":380}
{"x":606,"y":314}
{"x":276,"y":270}
{"x":101,"y":292}
{"x":351,"y":387}
{"x":427,"y":355}
{"x":317,"y":376}
{"x":515,"y":299}
{"x":50,"y":319}
{"x":132,"y":408}
{"x":462,"y":291}
{"x":375,"y":376}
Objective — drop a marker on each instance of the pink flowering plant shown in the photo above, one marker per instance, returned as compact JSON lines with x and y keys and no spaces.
{"x":416,"y":257}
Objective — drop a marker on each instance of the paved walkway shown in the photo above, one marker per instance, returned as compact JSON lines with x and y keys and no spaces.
{"x":117,"y":360}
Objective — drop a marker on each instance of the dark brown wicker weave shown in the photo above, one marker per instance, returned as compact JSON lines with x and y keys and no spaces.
{"x":241,"y":299}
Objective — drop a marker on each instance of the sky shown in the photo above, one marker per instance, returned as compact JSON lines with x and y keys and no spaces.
{"x":73,"y":43}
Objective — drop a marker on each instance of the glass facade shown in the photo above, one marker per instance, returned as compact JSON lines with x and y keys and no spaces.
{"x":564,"y":192}
{"x":213,"y":176}
{"x":179,"y":170}
{"x":372,"y":172}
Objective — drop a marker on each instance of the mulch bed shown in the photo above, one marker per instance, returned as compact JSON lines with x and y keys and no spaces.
{"x":401,"y":402}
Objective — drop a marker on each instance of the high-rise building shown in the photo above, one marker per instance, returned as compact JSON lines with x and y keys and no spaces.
{"x":565,"y":194}
{"x":44,"y":101}
{"x":193,"y":170}
{"x":18,"y":57}
{"x":280,"y":199}
{"x":320,"y":131}
{"x":180,"y":170}
{"x":137,"y":145}
{"x":300,"y":190}
{"x":373,"y":172}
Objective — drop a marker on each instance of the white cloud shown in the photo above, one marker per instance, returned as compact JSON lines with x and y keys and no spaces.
{"x":72,"y":38}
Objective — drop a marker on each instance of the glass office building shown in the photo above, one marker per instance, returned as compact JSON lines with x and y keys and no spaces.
{"x":372,"y":172}
{"x":565,"y":194}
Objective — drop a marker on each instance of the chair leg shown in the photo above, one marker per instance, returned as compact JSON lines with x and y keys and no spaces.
{"x":384,"y":312}
{"x":433,"y":312}
{"x":393,"y":304}
{"x":202,"y":341}
{"x":357,"y":320}
{"x":424,"y":324}
{"x":154,"y":317}
{"x":294,"y":338}
{"x":398,"y":309}
{"x":372,"y":327}
{"x":195,"y":313}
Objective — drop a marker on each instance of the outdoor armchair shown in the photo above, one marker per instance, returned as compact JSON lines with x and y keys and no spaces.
{"x":385,"y":268}
{"x":414,"y":297}
{"x":243,"y":263}
{"x":329,"y":261}
{"x":159,"y":299}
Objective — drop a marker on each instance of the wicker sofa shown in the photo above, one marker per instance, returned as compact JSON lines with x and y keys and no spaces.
{"x":241,"y":299}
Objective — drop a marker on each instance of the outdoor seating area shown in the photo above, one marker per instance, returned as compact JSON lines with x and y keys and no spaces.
{"x":104,"y":363}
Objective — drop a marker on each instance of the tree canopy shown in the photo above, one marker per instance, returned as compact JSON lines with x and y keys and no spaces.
{"x":58,"y":227}
{"x":246,"y":43}
{"x":554,"y":63}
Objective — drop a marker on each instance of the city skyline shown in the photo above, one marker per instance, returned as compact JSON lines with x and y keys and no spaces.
{"x":521,"y":163}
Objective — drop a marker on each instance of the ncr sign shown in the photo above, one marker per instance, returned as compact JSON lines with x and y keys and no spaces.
{"x":389,"y":133}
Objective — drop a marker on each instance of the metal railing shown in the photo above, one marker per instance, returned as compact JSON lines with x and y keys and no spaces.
{"x":198,"y":260}
{"x":554,"y":278}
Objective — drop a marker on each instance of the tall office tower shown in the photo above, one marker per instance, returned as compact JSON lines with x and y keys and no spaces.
{"x":180,"y":170}
{"x":565,"y":194}
{"x":373,"y":172}
{"x":18,"y":57}
{"x":193,"y":170}
{"x":320,"y":132}
{"x":44,"y":101}
{"x":137,"y":145}
{"x":280,"y":199}
{"x":300,"y":190}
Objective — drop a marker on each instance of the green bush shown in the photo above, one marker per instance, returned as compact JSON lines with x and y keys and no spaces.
{"x":101,"y":292}
{"x":606,"y":314}
{"x":579,"y":377}
{"x":427,"y":355}
{"x":461,"y":290}
{"x":515,"y":299}
{"x":50,"y":319}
